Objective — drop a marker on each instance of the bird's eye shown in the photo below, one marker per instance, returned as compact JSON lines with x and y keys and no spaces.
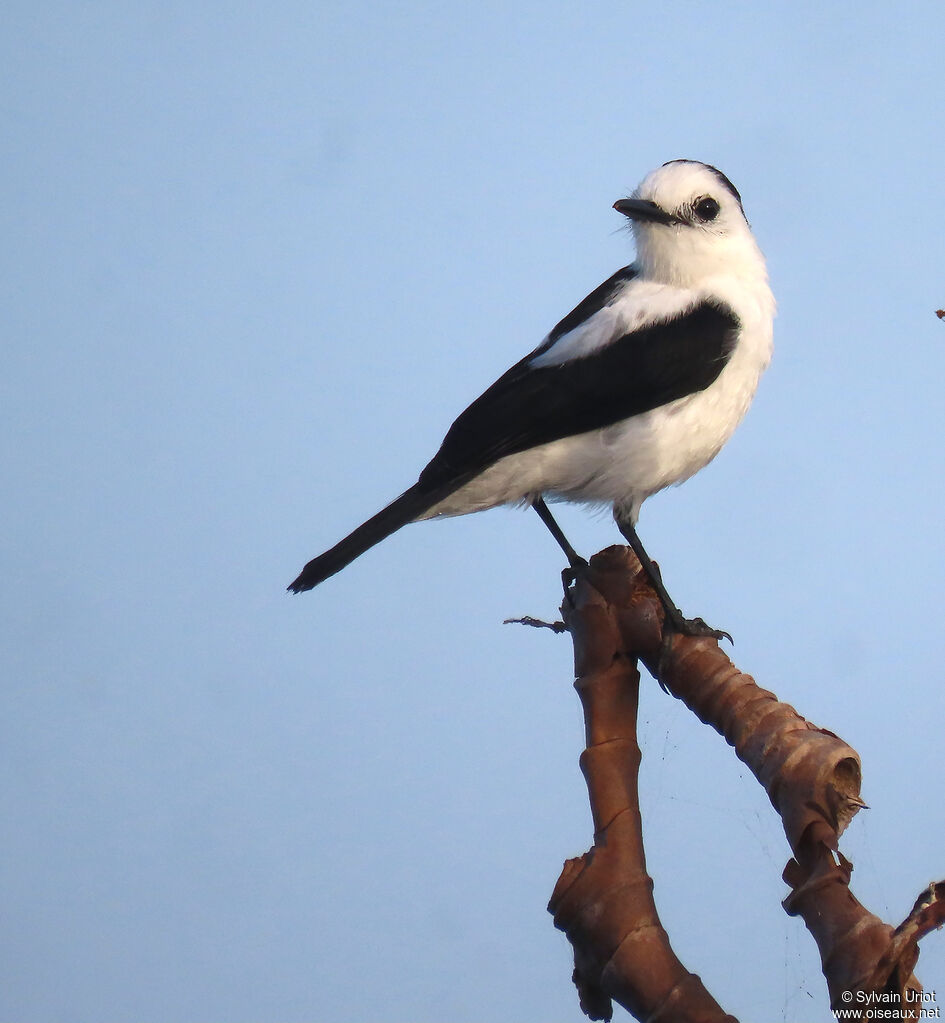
{"x":706,"y":209}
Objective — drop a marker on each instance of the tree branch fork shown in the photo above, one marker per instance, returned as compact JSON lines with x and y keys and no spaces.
{"x":603,"y":900}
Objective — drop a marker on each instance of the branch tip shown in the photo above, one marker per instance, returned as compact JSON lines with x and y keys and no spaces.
{"x":536,"y":623}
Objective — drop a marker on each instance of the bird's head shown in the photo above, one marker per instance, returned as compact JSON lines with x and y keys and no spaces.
{"x":689,"y":225}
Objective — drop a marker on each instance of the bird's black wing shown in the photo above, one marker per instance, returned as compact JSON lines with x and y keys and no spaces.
{"x":639,"y":371}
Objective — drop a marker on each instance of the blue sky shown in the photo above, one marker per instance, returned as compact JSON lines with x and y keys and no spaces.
{"x":257,"y":259}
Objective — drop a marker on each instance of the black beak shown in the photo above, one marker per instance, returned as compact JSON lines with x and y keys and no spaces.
{"x":644,"y":211}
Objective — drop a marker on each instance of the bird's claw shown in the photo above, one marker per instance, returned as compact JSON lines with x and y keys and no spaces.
{"x":697,"y":628}
{"x":571,"y":574}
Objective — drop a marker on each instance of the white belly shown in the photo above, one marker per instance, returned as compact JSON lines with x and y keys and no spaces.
{"x":628,"y":462}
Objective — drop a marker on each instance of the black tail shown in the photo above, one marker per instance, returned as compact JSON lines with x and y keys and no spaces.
{"x":404,"y":509}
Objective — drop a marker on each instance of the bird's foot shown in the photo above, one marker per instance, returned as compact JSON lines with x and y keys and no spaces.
{"x":571,"y":574}
{"x":695,"y":627}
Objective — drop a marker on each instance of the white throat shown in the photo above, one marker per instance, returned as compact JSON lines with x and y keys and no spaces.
{"x":685,"y":258}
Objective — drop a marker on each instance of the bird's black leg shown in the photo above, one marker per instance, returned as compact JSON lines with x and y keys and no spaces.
{"x":544,"y":513}
{"x":577,"y":563}
{"x":680,"y":624}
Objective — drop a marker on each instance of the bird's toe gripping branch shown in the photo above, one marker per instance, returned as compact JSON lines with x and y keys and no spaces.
{"x":694,"y":627}
{"x":697,"y":628}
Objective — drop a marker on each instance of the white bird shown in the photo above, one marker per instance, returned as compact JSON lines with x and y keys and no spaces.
{"x":637,"y":388}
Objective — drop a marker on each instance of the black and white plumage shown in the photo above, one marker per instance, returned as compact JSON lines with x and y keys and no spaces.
{"x":636,"y":389}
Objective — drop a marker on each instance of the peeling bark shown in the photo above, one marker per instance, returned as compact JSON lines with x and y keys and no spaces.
{"x":604,"y":901}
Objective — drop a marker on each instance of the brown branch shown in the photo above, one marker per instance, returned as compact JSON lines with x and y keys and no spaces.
{"x":603,"y":901}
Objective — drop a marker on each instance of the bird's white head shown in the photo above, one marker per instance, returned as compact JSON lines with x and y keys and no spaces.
{"x":689,"y":225}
